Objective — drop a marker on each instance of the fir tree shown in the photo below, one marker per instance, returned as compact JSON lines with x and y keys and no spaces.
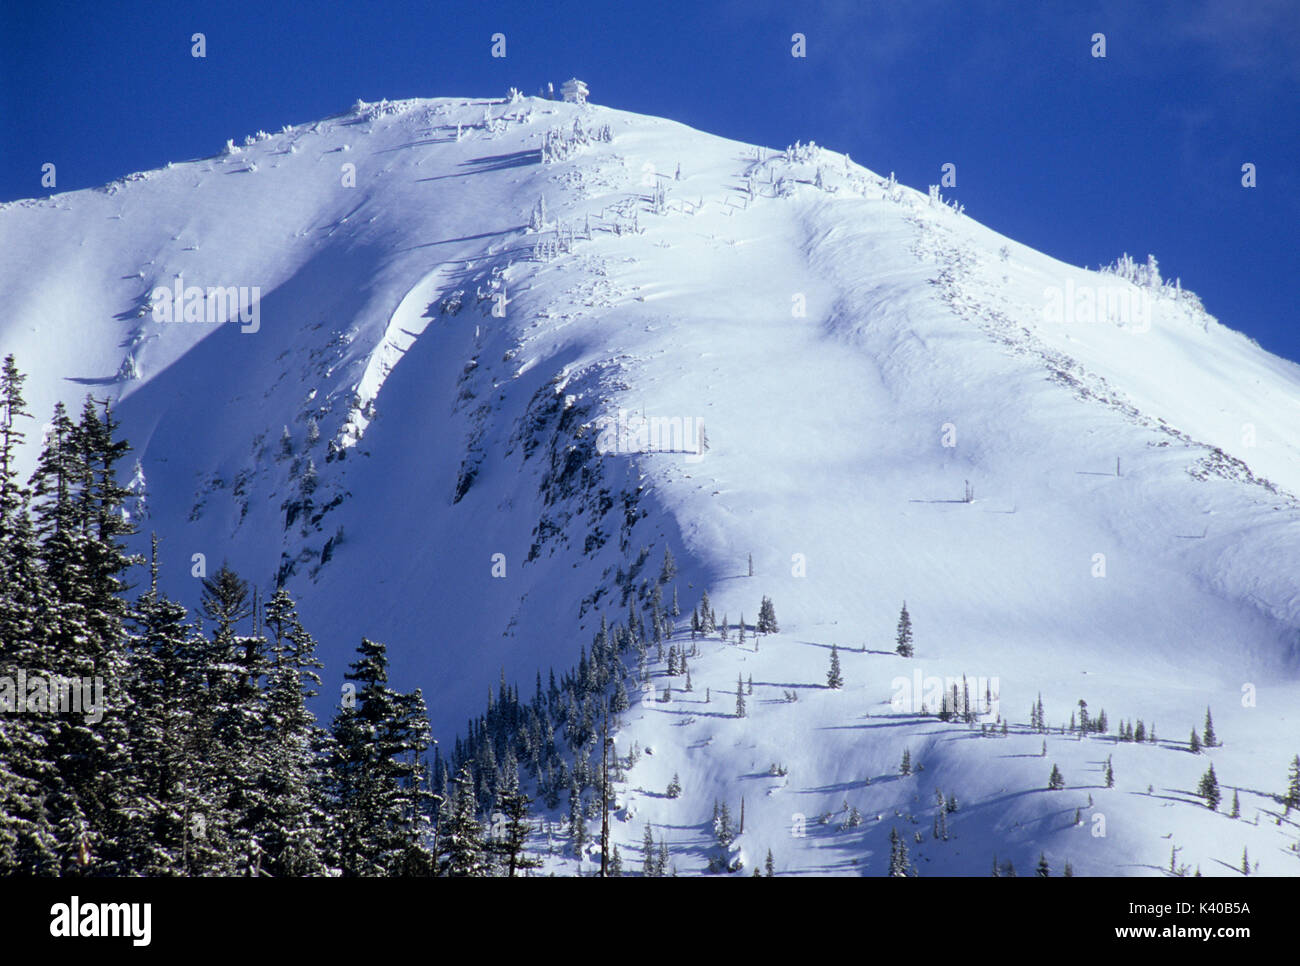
{"x":740,"y":697}
{"x":834,"y":679}
{"x":650,"y":860}
{"x":1208,"y":738}
{"x":1194,"y":743}
{"x":904,"y":637}
{"x":290,"y":829}
{"x":722,"y":827}
{"x":669,"y":569}
{"x":1044,"y":870}
{"x":509,"y":848}
{"x":1208,"y":789}
{"x":162,"y":722}
{"x":905,"y":767}
{"x":898,"y":862}
{"x":380,"y":797}
{"x":707,"y":624}
{"x":462,"y":852}
{"x":1056,"y":780}
{"x":767,"y":618}
{"x":79,"y":525}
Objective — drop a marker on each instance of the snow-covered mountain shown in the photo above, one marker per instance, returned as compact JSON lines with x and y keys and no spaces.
{"x":497,"y":354}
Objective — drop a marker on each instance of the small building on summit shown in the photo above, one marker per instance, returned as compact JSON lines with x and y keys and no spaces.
{"x":574,"y":91}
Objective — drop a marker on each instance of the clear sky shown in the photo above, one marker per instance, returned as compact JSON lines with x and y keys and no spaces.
{"x":1081,"y":157}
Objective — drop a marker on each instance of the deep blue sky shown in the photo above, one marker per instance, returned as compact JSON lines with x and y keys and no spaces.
{"x":1079,"y":157}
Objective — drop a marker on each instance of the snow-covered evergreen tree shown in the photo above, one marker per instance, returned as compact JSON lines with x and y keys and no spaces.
{"x":834,"y":679}
{"x":1208,"y":789}
{"x":903,"y":639}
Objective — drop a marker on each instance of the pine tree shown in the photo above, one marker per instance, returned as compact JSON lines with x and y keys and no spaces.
{"x":1194,"y":743}
{"x":1236,"y":805}
{"x":674,"y":787}
{"x":707,"y":623}
{"x":27,"y":840}
{"x":1208,"y":789}
{"x":290,"y":828}
{"x":650,"y":860}
{"x":834,"y":679}
{"x":1209,"y":738}
{"x":1056,"y":780}
{"x":722,"y":827}
{"x":462,"y":852}
{"x":577,"y":819}
{"x":233,"y":744}
{"x":162,"y":724}
{"x":379,"y":791}
{"x":898,"y":862}
{"x":767,"y":618}
{"x":13,"y":496}
{"x":79,"y":523}
{"x":740,"y":697}
{"x":769,"y":866}
{"x":1292,"y":799}
{"x":905,"y":767}
{"x":904,"y":638}
{"x":509,"y":848}
{"x":669,"y":569}
{"x":1110,"y":773}
{"x":1044,"y":870}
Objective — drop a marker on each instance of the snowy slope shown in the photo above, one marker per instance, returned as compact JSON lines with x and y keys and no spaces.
{"x":857,"y":351}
